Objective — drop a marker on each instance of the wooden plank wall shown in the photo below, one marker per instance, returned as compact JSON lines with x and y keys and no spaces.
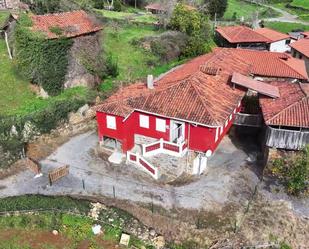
{"x":286,"y":139}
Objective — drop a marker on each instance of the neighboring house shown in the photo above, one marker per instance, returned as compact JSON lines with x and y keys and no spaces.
{"x":84,"y":30}
{"x":300,"y":50}
{"x":189,"y":110}
{"x":287,"y":117}
{"x":258,"y":39}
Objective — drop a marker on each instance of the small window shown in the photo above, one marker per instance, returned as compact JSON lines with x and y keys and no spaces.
{"x":143,"y":121}
{"x":160,"y":125}
{"x":287,"y":42}
{"x":111,"y":122}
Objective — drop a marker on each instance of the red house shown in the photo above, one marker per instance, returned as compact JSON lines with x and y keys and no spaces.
{"x":190,"y":108}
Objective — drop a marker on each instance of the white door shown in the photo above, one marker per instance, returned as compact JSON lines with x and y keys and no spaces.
{"x":177,"y":132}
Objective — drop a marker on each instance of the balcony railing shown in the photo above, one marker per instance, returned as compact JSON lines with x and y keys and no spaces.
{"x":286,"y":139}
{"x":162,"y":146}
{"x":254,"y":120}
{"x":138,"y":160}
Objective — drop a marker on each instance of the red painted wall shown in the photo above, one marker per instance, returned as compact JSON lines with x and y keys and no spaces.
{"x":200,"y":138}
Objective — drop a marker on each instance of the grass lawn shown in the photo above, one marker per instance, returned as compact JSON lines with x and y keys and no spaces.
{"x":133,"y":61}
{"x":3,"y":16}
{"x":15,"y":94}
{"x":302,"y":14}
{"x":301,"y":3}
{"x":246,"y":10}
{"x":142,"y":17}
{"x":285,"y":27}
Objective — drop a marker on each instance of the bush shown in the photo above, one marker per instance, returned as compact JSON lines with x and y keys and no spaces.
{"x":195,"y":25}
{"x":293,"y":171}
{"x":42,"y":61}
{"x":117,"y":5}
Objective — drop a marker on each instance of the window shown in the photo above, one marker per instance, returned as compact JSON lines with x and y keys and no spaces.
{"x":160,"y":125}
{"x":111,"y":122}
{"x":287,"y":42}
{"x":143,"y":121}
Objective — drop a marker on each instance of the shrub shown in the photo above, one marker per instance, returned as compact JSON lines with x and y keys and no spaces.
{"x":117,"y":5}
{"x":293,"y":171}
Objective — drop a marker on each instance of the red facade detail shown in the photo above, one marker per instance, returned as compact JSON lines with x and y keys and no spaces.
{"x":146,"y":166}
{"x":153,"y":147}
{"x":133,"y":158}
{"x":171,"y":147}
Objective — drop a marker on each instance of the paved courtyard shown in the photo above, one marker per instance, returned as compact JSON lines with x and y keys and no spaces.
{"x":230,"y":179}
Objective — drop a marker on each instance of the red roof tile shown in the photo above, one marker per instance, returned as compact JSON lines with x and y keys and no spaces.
{"x":241,"y":34}
{"x":272,"y":64}
{"x":301,"y":46}
{"x":72,"y":24}
{"x":291,"y":109}
{"x":272,"y":35}
{"x":199,"y":91}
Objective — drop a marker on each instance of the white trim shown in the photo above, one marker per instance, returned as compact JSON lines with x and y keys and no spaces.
{"x":217,"y":134}
{"x":221,"y":130}
{"x":226,"y":123}
{"x":143,"y":121}
{"x":231,"y":116}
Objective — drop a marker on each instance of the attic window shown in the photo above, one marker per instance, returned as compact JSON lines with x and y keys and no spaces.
{"x":210,"y":70}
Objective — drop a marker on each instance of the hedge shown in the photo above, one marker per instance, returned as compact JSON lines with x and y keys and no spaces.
{"x":43,"y":121}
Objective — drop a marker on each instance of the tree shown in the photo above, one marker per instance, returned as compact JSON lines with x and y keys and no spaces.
{"x":195,"y":25}
{"x":215,"y":7}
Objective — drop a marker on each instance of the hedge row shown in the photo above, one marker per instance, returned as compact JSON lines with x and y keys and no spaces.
{"x":13,"y":129}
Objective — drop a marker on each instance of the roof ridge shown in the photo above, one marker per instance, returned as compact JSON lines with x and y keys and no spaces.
{"x":60,"y":13}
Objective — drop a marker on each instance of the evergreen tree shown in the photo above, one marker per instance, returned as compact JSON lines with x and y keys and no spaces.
{"x":215,"y":7}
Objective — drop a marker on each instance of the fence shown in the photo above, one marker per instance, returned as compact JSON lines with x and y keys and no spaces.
{"x":286,"y":139}
{"x":253,"y":120}
{"x":143,"y":163}
{"x":165,"y":147}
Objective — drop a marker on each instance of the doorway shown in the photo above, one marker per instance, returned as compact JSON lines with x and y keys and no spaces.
{"x":177,"y":134}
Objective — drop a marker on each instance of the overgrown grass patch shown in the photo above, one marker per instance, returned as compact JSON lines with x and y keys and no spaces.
{"x":301,"y":4}
{"x":286,"y":27}
{"x":246,"y":10}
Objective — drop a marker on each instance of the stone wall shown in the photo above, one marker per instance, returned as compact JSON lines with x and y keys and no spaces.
{"x":84,"y":57}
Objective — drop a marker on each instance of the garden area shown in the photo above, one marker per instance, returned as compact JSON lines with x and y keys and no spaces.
{"x":41,"y":222}
{"x":286,"y":27}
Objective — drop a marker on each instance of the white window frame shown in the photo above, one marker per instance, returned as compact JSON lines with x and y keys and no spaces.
{"x":144,"y":121}
{"x":160,"y":125}
{"x":111,"y":122}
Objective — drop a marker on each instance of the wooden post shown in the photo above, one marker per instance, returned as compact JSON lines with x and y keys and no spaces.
{"x":7,"y":45}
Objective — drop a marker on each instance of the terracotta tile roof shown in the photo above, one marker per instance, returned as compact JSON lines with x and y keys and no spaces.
{"x":306,"y":33}
{"x":272,"y":35}
{"x":241,"y":34}
{"x":291,"y":109}
{"x":199,"y":91}
{"x":200,"y":98}
{"x":258,"y":86}
{"x":272,"y":64}
{"x":301,"y":46}
{"x":75,"y":23}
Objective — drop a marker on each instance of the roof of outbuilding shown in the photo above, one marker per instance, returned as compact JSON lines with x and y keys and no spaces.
{"x":272,"y":35}
{"x":301,"y":46}
{"x":291,"y":109}
{"x":72,"y":24}
{"x":240,"y":34}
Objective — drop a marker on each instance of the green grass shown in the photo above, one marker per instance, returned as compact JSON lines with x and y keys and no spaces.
{"x":3,"y":16}
{"x":286,"y":27}
{"x":301,"y":3}
{"x":246,"y":10}
{"x":15,"y":94}
{"x":302,"y":14}
{"x":141,"y":17}
{"x":133,"y":61}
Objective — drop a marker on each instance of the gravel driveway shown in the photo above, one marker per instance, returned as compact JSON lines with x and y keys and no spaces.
{"x":229,"y":178}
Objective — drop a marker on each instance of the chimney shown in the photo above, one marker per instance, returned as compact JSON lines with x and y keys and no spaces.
{"x":150,"y":81}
